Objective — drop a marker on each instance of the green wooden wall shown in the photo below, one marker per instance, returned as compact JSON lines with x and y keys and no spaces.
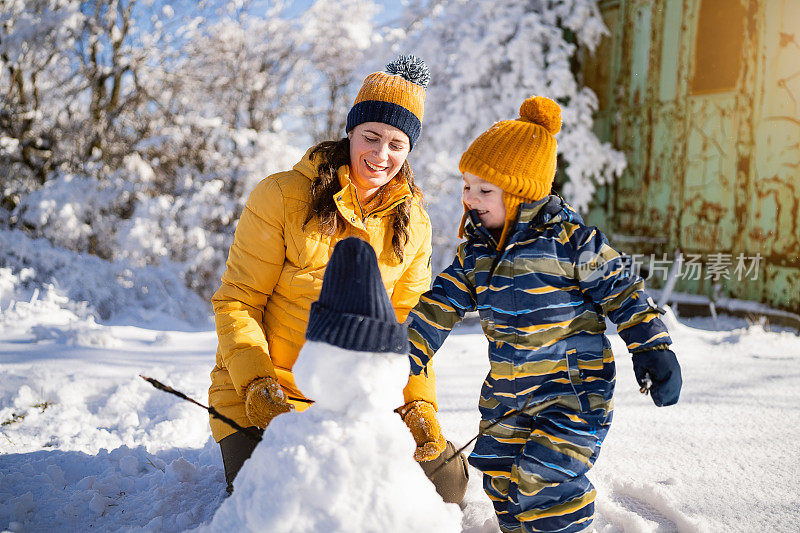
{"x":703,"y":97}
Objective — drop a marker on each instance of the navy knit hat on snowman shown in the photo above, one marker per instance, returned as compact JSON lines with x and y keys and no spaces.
{"x":353,"y":311}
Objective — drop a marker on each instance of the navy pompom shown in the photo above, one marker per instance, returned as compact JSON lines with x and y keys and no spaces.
{"x":410,"y":68}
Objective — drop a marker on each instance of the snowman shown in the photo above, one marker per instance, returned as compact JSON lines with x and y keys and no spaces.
{"x":346,"y":463}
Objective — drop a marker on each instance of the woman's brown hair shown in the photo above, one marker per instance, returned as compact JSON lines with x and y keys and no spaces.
{"x":334,"y":155}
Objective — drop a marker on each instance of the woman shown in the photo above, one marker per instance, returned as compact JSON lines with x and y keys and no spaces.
{"x":359,"y":186}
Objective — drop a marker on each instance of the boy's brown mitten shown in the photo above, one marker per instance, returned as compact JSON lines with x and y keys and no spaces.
{"x":264,"y":400}
{"x":420,"y":417}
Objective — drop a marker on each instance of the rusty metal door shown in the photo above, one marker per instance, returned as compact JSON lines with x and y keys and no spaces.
{"x":772,"y":226}
{"x":703,"y":96}
{"x":716,"y":107}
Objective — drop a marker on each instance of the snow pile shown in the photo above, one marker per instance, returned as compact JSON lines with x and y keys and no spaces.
{"x":345,"y":464}
{"x":22,"y":297}
{"x":122,"y":489}
{"x":37,"y":278}
{"x":84,"y":442}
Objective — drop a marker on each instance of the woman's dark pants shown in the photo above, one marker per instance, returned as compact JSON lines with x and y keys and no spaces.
{"x":236,"y":449}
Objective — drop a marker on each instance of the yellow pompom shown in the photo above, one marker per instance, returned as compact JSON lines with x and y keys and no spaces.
{"x":542,"y":111}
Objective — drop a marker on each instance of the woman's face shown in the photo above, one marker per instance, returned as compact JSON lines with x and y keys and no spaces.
{"x":377,"y":151}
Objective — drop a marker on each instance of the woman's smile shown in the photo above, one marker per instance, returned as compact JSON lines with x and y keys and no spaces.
{"x":375,"y":168}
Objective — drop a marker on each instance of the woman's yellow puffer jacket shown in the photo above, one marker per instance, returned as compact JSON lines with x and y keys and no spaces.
{"x":274,"y":273}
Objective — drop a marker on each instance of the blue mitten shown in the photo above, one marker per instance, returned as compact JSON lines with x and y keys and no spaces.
{"x":664,"y":372}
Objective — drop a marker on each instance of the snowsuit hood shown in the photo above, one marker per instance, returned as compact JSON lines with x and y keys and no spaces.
{"x":552,"y":209}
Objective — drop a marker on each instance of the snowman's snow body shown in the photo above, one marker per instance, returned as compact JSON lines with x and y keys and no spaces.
{"x":343,"y":465}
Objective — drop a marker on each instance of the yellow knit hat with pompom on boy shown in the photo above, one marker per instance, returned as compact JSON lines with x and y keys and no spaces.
{"x":519,"y":156}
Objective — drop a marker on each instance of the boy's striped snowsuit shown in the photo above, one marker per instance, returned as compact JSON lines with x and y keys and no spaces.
{"x":542,"y":301}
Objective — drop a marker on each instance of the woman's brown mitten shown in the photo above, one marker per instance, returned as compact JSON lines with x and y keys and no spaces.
{"x":264,"y":400}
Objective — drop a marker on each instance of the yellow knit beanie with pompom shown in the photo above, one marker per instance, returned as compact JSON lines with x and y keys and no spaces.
{"x":519,"y":156}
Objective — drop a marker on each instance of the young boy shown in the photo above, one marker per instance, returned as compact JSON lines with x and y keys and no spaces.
{"x":543,"y":283}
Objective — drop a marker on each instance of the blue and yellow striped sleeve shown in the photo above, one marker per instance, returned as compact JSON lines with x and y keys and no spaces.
{"x":607,"y":279}
{"x":438,"y":310}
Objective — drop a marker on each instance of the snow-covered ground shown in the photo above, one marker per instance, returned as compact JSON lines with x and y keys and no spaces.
{"x":85,"y":444}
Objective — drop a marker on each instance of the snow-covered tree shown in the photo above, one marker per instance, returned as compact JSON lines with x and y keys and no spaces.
{"x":134,"y":130}
{"x":485,"y":59}
{"x":35,"y":75}
{"x":160,"y":132}
{"x":341,"y":40}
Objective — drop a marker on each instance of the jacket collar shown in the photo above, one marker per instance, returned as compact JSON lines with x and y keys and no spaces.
{"x":549,"y":210}
{"x":397,"y":191}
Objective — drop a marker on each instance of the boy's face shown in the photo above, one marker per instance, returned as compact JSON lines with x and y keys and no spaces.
{"x":486,"y":198}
